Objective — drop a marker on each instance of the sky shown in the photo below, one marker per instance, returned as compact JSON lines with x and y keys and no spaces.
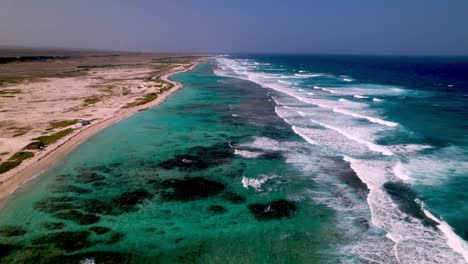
{"x":397,"y":27}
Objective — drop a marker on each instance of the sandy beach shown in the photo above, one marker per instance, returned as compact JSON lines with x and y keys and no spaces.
{"x":103,"y":114}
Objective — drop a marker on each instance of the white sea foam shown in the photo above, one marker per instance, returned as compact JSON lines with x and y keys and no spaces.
{"x":439,"y":166}
{"x":367,"y":89}
{"x":300,"y":131}
{"x":256,"y":183}
{"x":343,"y":100}
{"x":347,"y":79}
{"x":377,"y":100}
{"x":307,"y":75}
{"x":453,"y":240}
{"x":370,"y":145}
{"x":401,"y":172}
{"x":408,"y":148}
{"x":360,"y":96}
{"x":371,"y":119}
{"x":87,"y":261}
{"x":414,"y":242}
{"x":285,"y":82}
{"x":328,"y":90}
{"x":321,"y":103}
{"x":247,"y":154}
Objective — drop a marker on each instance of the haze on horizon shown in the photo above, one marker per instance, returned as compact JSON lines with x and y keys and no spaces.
{"x":417,"y":27}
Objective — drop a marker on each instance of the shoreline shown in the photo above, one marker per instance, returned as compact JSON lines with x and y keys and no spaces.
{"x":56,"y":152}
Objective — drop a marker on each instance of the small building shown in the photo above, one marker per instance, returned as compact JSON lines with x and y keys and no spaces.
{"x":85,"y":122}
{"x":35,"y":145}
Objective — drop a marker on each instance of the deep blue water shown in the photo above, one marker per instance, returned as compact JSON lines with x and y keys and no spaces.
{"x":400,"y":122}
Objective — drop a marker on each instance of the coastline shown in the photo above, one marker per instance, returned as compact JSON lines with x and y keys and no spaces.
{"x":56,"y":152}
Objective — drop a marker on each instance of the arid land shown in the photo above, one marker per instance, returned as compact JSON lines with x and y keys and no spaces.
{"x":45,"y":98}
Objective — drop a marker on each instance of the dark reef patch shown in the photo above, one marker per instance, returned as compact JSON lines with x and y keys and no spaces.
{"x":405,"y":198}
{"x":72,"y":189}
{"x":190,"y":189}
{"x":98,"y":207}
{"x":199,"y":158}
{"x":233,"y":197}
{"x":184,"y":162}
{"x":101,"y":168}
{"x":217,"y":209}
{"x":5,"y":250}
{"x":77,"y":217}
{"x":272,"y":155}
{"x":115,"y":238}
{"x":47,"y":206}
{"x":67,"y":241}
{"x":100,"y":230}
{"x":128,"y":201}
{"x":89,"y":177}
{"x":273,"y":210}
{"x":11,"y":231}
{"x":53,"y":225}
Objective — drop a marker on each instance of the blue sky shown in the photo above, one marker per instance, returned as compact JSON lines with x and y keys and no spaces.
{"x":419,"y":27}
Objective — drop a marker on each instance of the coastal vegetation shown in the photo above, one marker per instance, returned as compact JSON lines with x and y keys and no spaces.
{"x":15,"y":160}
{"x":47,"y":140}
{"x":61,"y":124}
{"x":91,"y":100}
{"x":144,"y":100}
{"x":4,"y":80}
{"x":174,"y":60}
{"x":9,"y":91}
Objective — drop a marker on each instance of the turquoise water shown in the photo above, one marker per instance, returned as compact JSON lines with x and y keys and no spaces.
{"x":116,"y":180}
{"x":263,"y":159}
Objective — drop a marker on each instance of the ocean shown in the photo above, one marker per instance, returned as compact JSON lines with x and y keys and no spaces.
{"x":265,"y":159}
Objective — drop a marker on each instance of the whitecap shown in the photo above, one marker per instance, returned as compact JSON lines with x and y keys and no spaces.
{"x":247,"y":153}
{"x":360,"y":96}
{"x":256,"y":183}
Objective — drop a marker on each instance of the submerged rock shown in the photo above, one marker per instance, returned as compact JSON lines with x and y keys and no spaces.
{"x":273,"y":155}
{"x":115,"y":238}
{"x":273,"y":210}
{"x":217,"y":209}
{"x":128,"y":201}
{"x":77,"y":216}
{"x":98,"y":207}
{"x":67,"y":241}
{"x":184,"y":162}
{"x":6,"y":249}
{"x":89,"y":177}
{"x":199,"y":158}
{"x":190,"y":189}
{"x":100,"y":230}
{"x":101,"y":168}
{"x":11,"y":231}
